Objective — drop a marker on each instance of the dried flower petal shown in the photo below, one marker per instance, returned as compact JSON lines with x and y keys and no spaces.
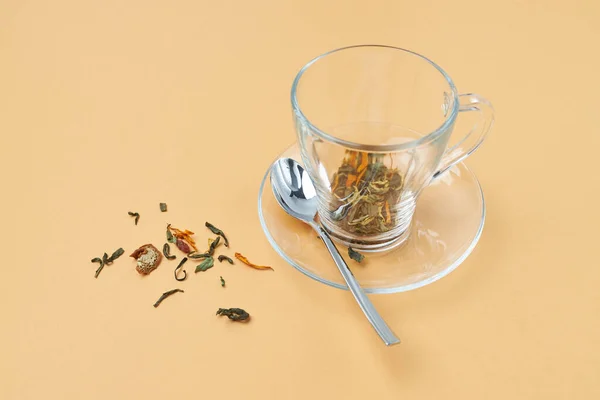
{"x":183,"y":235}
{"x":248,"y":263}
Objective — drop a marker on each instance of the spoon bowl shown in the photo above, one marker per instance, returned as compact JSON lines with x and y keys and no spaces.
{"x":293,"y":189}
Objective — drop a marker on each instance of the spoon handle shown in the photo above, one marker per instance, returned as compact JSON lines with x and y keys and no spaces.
{"x":365,"y":304}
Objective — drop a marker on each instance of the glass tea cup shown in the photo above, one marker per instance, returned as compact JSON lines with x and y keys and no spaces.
{"x":373,"y":124}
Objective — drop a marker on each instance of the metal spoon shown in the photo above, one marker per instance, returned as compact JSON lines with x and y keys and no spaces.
{"x":296,"y":194}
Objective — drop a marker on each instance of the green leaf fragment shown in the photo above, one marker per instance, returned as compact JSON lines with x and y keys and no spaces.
{"x":183,"y":278}
{"x":167,"y":252}
{"x":170,"y":237}
{"x":165,"y":295}
{"x":99,"y":270}
{"x":207,"y":264}
{"x":98,"y":260}
{"x":198,"y":255}
{"x":118,"y":253}
{"x":234,"y":314}
{"x":106,"y":260}
{"x":213,"y":245}
{"x":225,"y":258}
{"x":217,"y":231}
{"x":136,"y":215}
{"x":102,"y":263}
{"x":355,"y":255}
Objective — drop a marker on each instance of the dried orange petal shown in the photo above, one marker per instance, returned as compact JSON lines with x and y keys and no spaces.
{"x":248,"y":263}
{"x":388,"y":216}
{"x":364,"y":162}
{"x":185,"y":236}
{"x":351,"y":179}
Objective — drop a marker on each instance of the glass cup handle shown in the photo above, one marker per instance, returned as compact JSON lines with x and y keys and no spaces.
{"x":473,"y":139}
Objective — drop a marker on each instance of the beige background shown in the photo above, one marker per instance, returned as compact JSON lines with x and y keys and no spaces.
{"x":111,"y":106}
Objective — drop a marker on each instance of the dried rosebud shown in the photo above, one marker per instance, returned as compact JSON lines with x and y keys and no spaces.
{"x":183,"y":246}
{"x":148,"y":258}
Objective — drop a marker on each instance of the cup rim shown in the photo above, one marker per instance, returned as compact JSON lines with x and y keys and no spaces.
{"x":376,"y":148}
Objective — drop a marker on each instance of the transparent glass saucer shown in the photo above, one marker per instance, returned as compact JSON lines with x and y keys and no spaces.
{"x":446,"y":227}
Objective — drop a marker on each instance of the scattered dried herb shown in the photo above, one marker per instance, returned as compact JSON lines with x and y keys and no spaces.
{"x":212,"y":245}
{"x":365,"y":192}
{"x":167,"y":252}
{"x":248,"y":263}
{"x":165,"y":295}
{"x":217,"y":231}
{"x":183,"y":246}
{"x":163,"y":207}
{"x":222,"y":281}
{"x":99,"y":269}
{"x":234,"y":314}
{"x":116,"y":254}
{"x":170,"y":237}
{"x":136,"y":215}
{"x":198,"y":255}
{"x":185,"y":236}
{"x":148,"y":258}
{"x":106,"y":260}
{"x":183,"y":260}
{"x":98,"y":260}
{"x":224,"y":257}
{"x":355,"y":255}
{"x":207,"y":264}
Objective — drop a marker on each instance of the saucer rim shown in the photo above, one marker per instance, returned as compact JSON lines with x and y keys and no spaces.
{"x":372,"y":290}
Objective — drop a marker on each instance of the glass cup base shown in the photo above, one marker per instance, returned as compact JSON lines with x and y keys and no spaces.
{"x":370,"y":245}
{"x":445,"y":228}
